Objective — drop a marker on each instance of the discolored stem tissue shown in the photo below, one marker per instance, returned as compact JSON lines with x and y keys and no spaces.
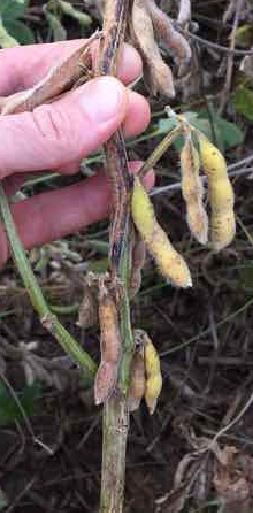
{"x":116,"y":416}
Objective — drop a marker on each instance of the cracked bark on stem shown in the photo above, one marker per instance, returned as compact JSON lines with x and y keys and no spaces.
{"x":47,"y":318}
{"x":116,"y":415}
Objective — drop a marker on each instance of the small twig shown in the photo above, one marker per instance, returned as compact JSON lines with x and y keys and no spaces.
{"x":216,"y":46}
{"x":49,"y":320}
{"x":205,"y":332}
{"x":227,"y":85}
{"x":234,"y":421}
{"x":159,"y":151}
{"x":177,"y":186}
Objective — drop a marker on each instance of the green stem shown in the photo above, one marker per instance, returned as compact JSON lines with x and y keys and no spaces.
{"x":48,"y":319}
{"x":159,"y":151}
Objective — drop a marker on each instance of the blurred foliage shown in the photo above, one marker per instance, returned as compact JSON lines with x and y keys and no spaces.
{"x":221,"y":132}
{"x":13,"y":30}
{"x":12,"y":409}
{"x":244,"y":36}
{"x":54,"y":11}
{"x":243,"y":101}
{"x":3,"y":500}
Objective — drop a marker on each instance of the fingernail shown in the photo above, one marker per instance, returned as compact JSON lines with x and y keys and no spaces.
{"x":103,"y":99}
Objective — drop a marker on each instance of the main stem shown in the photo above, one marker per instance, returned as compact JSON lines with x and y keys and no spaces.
{"x":116,"y":414}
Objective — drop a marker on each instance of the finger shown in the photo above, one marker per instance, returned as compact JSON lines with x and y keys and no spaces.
{"x":22,"y":67}
{"x":65,"y":131}
{"x":50,"y":216}
{"x":136,"y":121}
{"x":56,"y":135}
{"x":137,"y":117}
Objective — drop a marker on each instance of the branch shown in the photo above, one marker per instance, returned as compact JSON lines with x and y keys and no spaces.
{"x":49,"y":320}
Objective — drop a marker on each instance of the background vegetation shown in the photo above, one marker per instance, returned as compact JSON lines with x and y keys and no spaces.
{"x":50,"y":431}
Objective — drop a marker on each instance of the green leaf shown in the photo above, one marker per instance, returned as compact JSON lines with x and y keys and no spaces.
{"x":244,"y":36}
{"x":11,"y":9}
{"x":21,"y":32}
{"x":58,"y":31}
{"x":69,"y":10}
{"x":227,"y":134}
{"x":166,"y":124}
{"x":6,"y":40}
{"x":13,"y":31}
{"x":243,"y":101}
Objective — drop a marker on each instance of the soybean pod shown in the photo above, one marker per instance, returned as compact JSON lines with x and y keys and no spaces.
{"x":220,"y":194}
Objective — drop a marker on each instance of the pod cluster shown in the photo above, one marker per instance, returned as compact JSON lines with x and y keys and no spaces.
{"x":145,"y":374}
{"x":149,"y":26}
{"x":220,"y":193}
{"x":220,"y":228}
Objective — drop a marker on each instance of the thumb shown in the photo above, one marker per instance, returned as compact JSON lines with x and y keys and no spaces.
{"x":67,"y":130}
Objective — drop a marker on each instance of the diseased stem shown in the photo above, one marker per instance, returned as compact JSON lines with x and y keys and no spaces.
{"x":115,"y":432}
{"x":116,"y":415}
{"x":47,"y":318}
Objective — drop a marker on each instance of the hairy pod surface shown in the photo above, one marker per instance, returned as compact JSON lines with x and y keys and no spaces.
{"x":137,"y":380}
{"x":192,"y":190}
{"x":153,"y":375}
{"x":220,"y":194}
{"x":169,"y":261}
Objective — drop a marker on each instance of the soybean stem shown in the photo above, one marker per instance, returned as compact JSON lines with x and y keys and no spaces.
{"x":116,"y":415}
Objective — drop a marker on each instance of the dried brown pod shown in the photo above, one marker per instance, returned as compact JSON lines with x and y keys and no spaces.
{"x":157,"y":73}
{"x":168,"y":35}
{"x":192,"y":190}
{"x":88,"y":310}
{"x":59,"y":78}
{"x":110,"y":346}
{"x":138,"y":261}
{"x":105,"y":381}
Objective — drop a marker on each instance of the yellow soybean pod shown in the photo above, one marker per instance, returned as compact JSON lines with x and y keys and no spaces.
{"x":170,"y":263}
{"x":153,"y":375}
{"x":192,"y":190}
{"x":220,"y":194}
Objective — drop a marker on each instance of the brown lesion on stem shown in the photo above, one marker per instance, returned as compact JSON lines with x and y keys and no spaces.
{"x":116,"y":414}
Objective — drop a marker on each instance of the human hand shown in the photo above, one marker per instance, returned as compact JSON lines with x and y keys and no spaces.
{"x":57,"y":136}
